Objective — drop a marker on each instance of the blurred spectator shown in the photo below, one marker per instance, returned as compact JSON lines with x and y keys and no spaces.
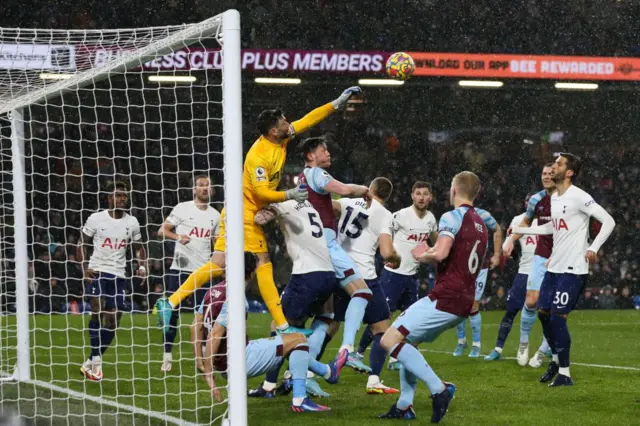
{"x":625,"y":301}
{"x":607,"y":299}
{"x":588,"y":300}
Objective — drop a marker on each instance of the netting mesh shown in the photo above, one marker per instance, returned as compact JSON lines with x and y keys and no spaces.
{"x":117,"y":126}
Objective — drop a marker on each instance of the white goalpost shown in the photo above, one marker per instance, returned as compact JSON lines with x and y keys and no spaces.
{"x":80,"y":110}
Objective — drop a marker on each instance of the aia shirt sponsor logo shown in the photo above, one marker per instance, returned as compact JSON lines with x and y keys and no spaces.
{"x":200,"y":233}
{"x":422,"y":237}
{"x":114,"y":244}
{"x":559,"y":224}
{"x":531,"y":240}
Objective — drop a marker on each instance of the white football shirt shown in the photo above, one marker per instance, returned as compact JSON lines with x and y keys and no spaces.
{"x":570,"y":215}
{"x":528,"y":245}
{"x":111,"y":238}
{"x":358,"y":231}
{"x":303,"y":234}
{"x":199,"y":225}
{"x":408,"y":231}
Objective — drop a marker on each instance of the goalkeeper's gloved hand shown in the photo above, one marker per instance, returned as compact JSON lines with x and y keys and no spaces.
{"x":341,"y":102}
{"x":299,"y":193}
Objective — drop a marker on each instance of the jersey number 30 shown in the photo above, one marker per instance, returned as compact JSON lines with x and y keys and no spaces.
{"x":356,"y":223}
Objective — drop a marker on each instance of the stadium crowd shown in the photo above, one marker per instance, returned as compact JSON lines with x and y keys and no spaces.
{"x":69,"y":165}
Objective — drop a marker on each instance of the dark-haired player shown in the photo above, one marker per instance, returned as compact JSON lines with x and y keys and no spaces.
{"x":110,"y":232}
{"x":517,"y":292}
{"x":193,"y":225}
{"x":321,"y":185}
{"x":539,"y":208}
{"x":262,"y":174}
{"x":458,"y":252}
{"x":568,"y":267}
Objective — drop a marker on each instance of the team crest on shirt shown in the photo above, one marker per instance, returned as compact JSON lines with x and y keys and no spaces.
{"x":260,"y":174}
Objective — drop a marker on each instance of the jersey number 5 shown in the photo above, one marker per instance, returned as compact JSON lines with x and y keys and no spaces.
{"x":474,"y":259}
{"x":314,"y":224}
{"x":356,"y":222}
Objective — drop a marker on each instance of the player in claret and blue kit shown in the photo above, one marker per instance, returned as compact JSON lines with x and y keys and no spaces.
{"x":571,"y":210}
{"x":459,"y":253}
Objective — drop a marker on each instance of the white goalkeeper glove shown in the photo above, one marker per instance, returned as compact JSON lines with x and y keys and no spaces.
{"x":341,"y":102}
{"x":299,"y":193}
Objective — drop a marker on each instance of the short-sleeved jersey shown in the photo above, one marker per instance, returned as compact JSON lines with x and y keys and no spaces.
{"x":570,"y":214}
{"x":491,"y":225}
{"x":316,"y":179}
{"x":303,"y":234}
{"x":111,"y":238}
{"x":199,"y":225}
{"x":455,"y":284}
{"x":409,"y":230}
{"x":539,"y":207}
{"x":359,"y":229}
{"x":527,"y":246}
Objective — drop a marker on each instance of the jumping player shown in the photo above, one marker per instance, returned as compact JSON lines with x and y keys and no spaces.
{"x":459,"y":252}
{"x":110,"y":232}
{"x":571,"y":209}
{"x":193,"y":225}
{"x":517,"y":292}
{"x":321,"y":185}
{"x":539,"y":208}
{"x":262,"y":174}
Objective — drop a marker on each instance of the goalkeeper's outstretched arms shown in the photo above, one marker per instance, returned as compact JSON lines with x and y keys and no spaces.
{"x":322,"y":112}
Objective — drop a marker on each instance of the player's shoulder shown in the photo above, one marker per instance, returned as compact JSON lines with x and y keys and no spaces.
{"x":429,"y":217}
{"x":132,"y":220}
{"x":402,"y":213}
{"x":578,"y":193}
{"x":100,"y":214}
{"x":518,"y":219}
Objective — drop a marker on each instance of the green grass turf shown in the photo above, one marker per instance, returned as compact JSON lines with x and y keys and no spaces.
{"x":489,"y":393}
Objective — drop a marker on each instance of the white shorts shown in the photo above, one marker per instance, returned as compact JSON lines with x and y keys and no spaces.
{"x":537,"y":273}
{"x":481,"y":282}
{"x":422,"y":322}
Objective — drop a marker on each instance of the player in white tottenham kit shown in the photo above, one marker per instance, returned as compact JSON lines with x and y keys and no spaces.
{"x":312,"y":281}
{"x":571,"y":209}
{"x":517,"y":293}
{"x":411,"y":226}
{"x":363,"y":228}
{"x":193,"y":225}
{"x":110,"y":232}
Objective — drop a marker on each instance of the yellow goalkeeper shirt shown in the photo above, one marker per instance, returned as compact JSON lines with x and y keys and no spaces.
{"x":264,"y":161}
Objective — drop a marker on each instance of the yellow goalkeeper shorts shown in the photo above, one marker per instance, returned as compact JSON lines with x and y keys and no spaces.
{"x":254,"y":239}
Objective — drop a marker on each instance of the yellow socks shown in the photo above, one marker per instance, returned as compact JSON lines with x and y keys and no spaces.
{"x":269,"y":294}
{"x":197,"y":279}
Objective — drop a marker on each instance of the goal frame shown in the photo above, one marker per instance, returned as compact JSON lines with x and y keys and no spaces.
{"x":232,"y":148}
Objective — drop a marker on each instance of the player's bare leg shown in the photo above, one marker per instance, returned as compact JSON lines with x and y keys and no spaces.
{"x":207,"y":272}
{"x":377,"y":357}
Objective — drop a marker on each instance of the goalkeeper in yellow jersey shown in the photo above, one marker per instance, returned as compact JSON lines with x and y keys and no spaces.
{"x":262,"y":173}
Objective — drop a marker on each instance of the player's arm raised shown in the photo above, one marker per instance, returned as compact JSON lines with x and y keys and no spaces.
{"x":439,"y":252}
{"x":595,"y":210}
{"x":546,"y":229}
{"x":510,"y":241}
{"x":321,"y":113}
{"x":213,"y":346}
{"x":347,"y":189}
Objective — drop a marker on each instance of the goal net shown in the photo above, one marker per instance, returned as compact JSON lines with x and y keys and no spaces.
{"x":80,"y":110}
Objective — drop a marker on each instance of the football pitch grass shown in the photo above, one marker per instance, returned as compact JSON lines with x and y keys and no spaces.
{"x":605,"y":369}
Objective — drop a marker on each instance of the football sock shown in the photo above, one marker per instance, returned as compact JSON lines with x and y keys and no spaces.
{"x":365,"y":340}
{"x":547,"y":330}
{"x":407,"y":389}
{"x":353,"y":316}
{"x":544,"y":346}
{"x":461,"y":329}
{"x":319,"y":368}
{"x":476,"y":328}
{"x":272,"y":375}
{"x":170,"y":334}
{"x":270,"y":295}
{"x":197,"y":279}
{"x":505,"y":327}
{"x":327,"y":339}
{"x":415,"y":363}
{"x":106,"y":337}
{"x":563,"y":341}
{"x":319,"y":326}
{"x":298,"y":365}
{"x":94,"y":337}
{"x":377,"y":356}
{"x":527,"y":319}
